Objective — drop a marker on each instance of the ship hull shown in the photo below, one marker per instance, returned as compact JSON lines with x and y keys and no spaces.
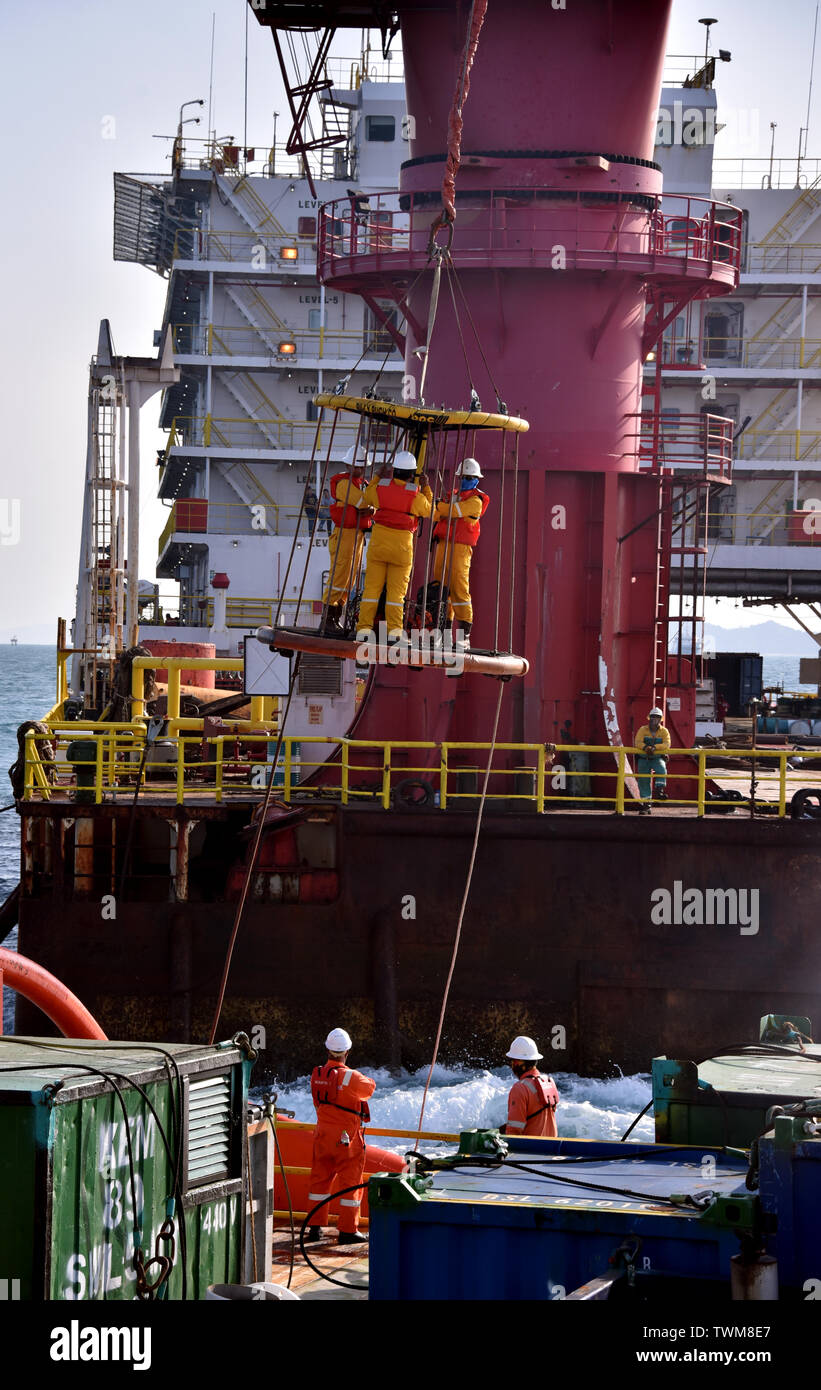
{"x":568,"y":936}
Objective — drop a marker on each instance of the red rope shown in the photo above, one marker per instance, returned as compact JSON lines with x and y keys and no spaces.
{"x":477,"y":16}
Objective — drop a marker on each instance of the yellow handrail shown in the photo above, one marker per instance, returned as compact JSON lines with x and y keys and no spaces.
{"x":120,"y":746}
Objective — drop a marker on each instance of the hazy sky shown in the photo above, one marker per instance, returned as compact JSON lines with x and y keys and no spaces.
{"x":76,"y":73}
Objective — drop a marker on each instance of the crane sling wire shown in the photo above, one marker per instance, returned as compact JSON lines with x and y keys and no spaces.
{"x":465,"y":894}
{"x":280,"y":734}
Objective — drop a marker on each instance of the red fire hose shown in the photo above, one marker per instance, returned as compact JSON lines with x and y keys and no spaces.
{"x":57,"y":1002}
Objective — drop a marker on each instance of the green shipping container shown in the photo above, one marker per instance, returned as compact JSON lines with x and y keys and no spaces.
{"x":94,"y":1160}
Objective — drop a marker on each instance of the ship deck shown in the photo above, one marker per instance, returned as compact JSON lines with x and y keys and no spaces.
{"x":346,"y":1263}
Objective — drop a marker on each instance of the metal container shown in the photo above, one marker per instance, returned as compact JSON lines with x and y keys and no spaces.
{"x":789,"y":1160}
{"x":81,"y":1192}
{"x":725,"y":1100}
{"x":507,"y":1233}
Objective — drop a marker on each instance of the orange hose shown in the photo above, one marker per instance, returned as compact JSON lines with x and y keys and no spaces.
{"x":57,"y":1002}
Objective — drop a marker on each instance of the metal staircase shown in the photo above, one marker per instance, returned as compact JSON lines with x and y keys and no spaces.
{"x":248,"y":205}
{"x":245,"y":399}
{"x":798,"y":218}
{"x":252,"y":318}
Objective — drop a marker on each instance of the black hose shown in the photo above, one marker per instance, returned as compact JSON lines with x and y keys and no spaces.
{"x":288,"y":1195}
{"x":357,"y":1187}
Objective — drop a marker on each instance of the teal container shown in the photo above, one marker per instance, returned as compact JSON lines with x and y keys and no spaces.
{"x":725,"y":1100}
{"x":86,"y":1179}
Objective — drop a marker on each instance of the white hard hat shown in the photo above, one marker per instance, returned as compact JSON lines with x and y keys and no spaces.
{"x":469,"y":468}
{"x":338,"y":1040}
{"x":355,"y":455}
{"x":404,"y":462}
{"x":659,"y":712}
{"x":524,"y":1050}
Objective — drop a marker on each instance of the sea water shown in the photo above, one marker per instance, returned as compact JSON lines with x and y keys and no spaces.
{"x":459,"y":1097}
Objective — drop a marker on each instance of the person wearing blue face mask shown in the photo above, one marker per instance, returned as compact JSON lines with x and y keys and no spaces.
{"x":456,"y":533}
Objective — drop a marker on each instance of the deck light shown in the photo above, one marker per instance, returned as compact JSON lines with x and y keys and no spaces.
{"x":286,"y":348}
{"x":288,"y":253}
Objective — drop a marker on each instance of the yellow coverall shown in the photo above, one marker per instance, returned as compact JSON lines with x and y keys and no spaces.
{"x":390,"y":558}
{"x":653,"y":749}
{"x":467,"y":506}
{"x":344,"y":547}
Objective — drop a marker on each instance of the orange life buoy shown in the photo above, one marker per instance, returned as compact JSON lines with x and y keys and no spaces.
{"x":57,"y":1002}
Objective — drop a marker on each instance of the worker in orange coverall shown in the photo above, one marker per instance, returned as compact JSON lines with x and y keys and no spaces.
{"x":532,"y":1101}
{"x":340,"y":1095}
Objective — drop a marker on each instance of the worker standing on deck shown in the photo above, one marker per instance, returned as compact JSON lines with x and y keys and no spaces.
{"x":456,"y":533}
{"x":399,"y":502}
{"x":340,"y":1096}
{"x":352,"y":520}
{"x":532,"y":1100}
{"x":653,"y":747}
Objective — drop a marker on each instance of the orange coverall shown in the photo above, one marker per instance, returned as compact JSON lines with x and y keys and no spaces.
{"x":531,"y":1105}
{"x":339,"y":1094}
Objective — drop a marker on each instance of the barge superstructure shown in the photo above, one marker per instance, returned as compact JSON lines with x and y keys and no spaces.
{"x":576,"y":264}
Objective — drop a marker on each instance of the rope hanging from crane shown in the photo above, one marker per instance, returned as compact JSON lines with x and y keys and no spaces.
{"x":447,"y":216}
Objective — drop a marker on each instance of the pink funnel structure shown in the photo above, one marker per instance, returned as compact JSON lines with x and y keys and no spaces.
{"x":571,"y":263}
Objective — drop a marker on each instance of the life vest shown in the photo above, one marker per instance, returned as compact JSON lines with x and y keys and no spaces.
{"x":463,"y":531}
{"x":395,"y":502}
{"x":543,"y":1092}
{"x":343,"y":514}
{"x":540,"y":1094}
{"x":326,"y":1088}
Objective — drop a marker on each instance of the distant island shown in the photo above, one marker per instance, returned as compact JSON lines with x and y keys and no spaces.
{"x":770,"y":639}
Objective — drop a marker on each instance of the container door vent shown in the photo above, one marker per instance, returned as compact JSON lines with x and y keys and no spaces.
{"x":320,"y":675}
{"x":209,"y":1129}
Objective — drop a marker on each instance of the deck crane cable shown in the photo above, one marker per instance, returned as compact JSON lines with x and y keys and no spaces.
{"x":447,"y":216}
{"x":500,"y":403}
{"x":465,"y":894}
{"x":263,"y":811}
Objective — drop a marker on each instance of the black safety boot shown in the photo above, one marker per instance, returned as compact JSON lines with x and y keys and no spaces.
{"x":351,"y":1238}
{"x":313,"y":1233}
{"x":331,"y":627}
{"x":462,"y":642}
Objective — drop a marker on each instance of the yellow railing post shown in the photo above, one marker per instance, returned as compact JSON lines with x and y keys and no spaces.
{"x":99,"y":750}
{"x":257,"y":709}
{"x":137,"y":692}
{"x":386,"y":777}
{"x":782,"y":783}
{"x":344,"y":778}
{"x":206,"y":437}
{"x":702,"y":769}
{"x":28,"y":758}
{"x":219,"y":741}
{"x":174,"y":677}
{"x":180,"y":768}
{"x":541,"y":768}
{"x":210,"y":339}
{"x":286,"y":783}
{"x":621,"y":754}
{"x":443,"y":776}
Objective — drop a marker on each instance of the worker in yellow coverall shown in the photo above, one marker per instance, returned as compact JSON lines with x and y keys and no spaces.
{"x":399,"y":503}
{"x":352,"y":520}
{"x":653,"y":745}
{"x":456,"y":533}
